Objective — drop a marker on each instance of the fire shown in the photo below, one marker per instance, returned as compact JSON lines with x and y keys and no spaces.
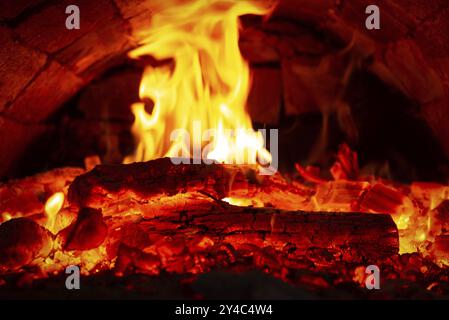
{"x":417,"y":209}
{"x":203,"y":86}
{"x":243,"y":202}
{"x":6,"y":216}
{"x":52,"y":208}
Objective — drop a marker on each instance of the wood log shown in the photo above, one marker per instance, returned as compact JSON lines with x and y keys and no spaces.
{"x":371,"y":235}
{"x":182,"y":203}
{"x":170,"y":229}
{"x":251,"y":237}
{"x":155,"y":184}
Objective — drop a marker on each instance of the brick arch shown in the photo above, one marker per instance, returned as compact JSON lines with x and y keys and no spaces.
{"x":43,"y":65}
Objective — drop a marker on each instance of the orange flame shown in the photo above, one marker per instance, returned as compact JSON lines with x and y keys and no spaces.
{"x":52,"y":207}
{"x":204,"y":87}
{"x":243,"y":202}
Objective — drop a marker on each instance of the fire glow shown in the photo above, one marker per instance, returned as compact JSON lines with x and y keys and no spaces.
{"x":187,"y":219}
{"x":52,"y":208}
{"x":204,"y":85}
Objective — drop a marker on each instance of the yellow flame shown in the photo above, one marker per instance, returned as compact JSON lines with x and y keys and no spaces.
{"x":421,"y":236}
{"x":243,"y":202}
{"x":402,"y":222}
{"x":203,"y":86}
{"x":52,"y":207}
{"x":5,"y":216}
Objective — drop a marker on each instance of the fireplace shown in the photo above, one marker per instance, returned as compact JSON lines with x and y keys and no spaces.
{"x":224,"y":149}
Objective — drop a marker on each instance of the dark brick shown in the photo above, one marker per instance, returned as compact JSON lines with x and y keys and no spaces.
{"x":395,"y":20}
{"x":14,"y":140}
{"x":433,"y":35}
{"x":46,"y":29}
{"x":97,"y":47}
{"x":18,"y":65}
{"x":265,"y":97}
{"x":45,"y":94}
{"x":10,"y":9}
{"x":138,"y":15}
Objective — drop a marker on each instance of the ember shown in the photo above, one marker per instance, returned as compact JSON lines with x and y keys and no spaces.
{"x":170,"y":218}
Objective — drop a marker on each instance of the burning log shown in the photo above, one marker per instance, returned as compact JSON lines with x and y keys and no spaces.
{"x":203,"y":241}
{"x":381,"y":198}
{"x":150,"y":186}
{"x":21,"y":242}
{"x":372,"y":235}
{"x":161,"y":216}
{"x":184,"y":201}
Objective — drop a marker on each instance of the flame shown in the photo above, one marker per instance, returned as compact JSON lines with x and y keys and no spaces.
{"x":203,"y":86}
{"x":6,"y":216}
{"x":359,"y":275}
{"x":52,"y":206}
{"x":243,"y":202}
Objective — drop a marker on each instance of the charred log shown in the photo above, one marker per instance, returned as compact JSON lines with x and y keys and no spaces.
{"x":154,"y":184}
{"x":369,"y":234}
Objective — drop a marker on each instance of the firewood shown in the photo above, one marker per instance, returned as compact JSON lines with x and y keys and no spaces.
{"x":185,"y":200}
{"x":381,"y":198}
{"x":151,"y":186}
{"x":371,"y":235}
{"x":21,"y":242}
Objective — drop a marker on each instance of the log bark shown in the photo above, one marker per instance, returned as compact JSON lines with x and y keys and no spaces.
{"x":184,"y":201}
{"x":371,"y":235}
{"x":139,"y":206}
{"x":155,"y":184}
{"x":249,"y":237}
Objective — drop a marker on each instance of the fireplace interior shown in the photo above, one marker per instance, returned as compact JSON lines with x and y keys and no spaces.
{"x":87,"y":172}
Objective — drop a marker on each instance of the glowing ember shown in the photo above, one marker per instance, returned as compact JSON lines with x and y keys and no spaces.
{"x":6,"y":216}
{"x":243,"y":202}
{"x":204,"y":88}
{"x":413,"y":208}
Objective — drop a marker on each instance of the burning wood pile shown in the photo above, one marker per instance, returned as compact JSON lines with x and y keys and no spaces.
{"x":158,"y":218}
